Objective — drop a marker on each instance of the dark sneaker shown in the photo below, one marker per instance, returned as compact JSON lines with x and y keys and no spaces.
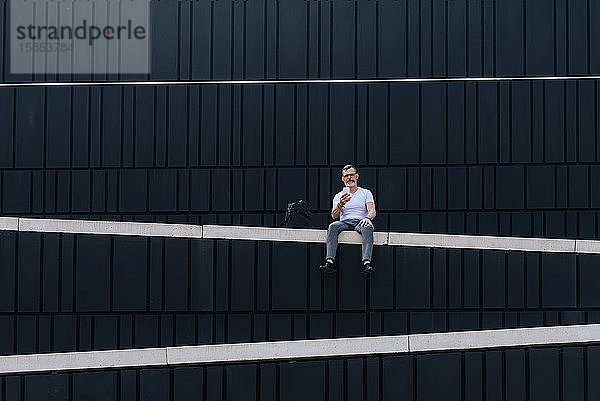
{"x":368,"y":268}
{"x":328,"y":267}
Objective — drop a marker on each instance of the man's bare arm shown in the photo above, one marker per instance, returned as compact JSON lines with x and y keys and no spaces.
{"x":371,"y":210}
{"x":335,"y":212}
{"x":371,"y":213}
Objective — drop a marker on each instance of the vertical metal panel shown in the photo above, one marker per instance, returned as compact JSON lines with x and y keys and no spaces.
{"x":129,"y":273}
{"x":540,"y":37}
{"x":8,"y":335}
{"x":58,"y":129}
{"x":318,"y":96}
{"x":352,"y":291}
{"x":412,"y":278}
{"x":144,"y":132}
{"x":488,"y":122}
{"x":164,"y":56}
{"x":404,"y":124}
{"x":474,"y":39}
{"x":573,"y":373}
{"x":342,"y":143}
{"x":146,"y":331}
{"x":381,"y":291}
{"x":439,"y":29}
{"x":488,"y":38}
{"x":438,"y":376}
{"x":440,"y":279}
{"x":292,"y":50}
{"x":343,"y":62}
{"x":493,"y":375}
{"x":111,"y":135}
{"x":280,"y":326}
{"x":434,"y":130}
{"x":558,"y":283}
{"x":93,"y":264}
{"x":302,"y":379}
{"x":241,"y":382}
{"x":38,"y":387}
{"x":242,"y":276}
{"x":29,"y":272}
{"x":366,"y":38}
{"x":128,"y":126}
{"x":105,"y":332}
{"x":29,"y":121}
{"x":544,"y":374}
{"x":176,"y":274}
{"x":509,"y":38}
{"x":154,"y":384}
{"x":184,"y":329}
{"x":289,"y":282}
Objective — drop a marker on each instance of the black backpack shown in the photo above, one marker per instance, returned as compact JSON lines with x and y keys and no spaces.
{"x":297,"y":215}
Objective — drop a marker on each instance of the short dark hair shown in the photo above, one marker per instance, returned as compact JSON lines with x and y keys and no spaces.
{"x":348,"y":167}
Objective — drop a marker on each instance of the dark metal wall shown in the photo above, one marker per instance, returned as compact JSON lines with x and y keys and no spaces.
{"x":380,"y":125}
{"x":504,"y":158}
{"x":347,"y":39}
{"x":537,"y":374}
{"x":491,"y":158}
{"x":82,"y":292}
{"x":509,"y":158}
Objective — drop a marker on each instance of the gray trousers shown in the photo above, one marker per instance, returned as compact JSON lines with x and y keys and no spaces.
{"x":337,"y":227}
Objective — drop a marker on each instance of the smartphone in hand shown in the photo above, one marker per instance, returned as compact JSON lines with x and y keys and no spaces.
{"x":346,"y":191}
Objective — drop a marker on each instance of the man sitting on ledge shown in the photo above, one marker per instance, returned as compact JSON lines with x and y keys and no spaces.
{"x":355,"y":208}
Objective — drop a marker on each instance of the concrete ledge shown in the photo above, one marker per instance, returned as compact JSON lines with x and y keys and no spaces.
{"x":297,"y":235}
{"x":279,"y":350}
{"x":283,"y":350}
{"x":587,"y":246}
{"x":82,"y":360}
{"x":9,"y":223}
{"x":504,"y":338}
{"x":110,"y":228}
{"x":482,"y":242}
{"x":285,"y":234}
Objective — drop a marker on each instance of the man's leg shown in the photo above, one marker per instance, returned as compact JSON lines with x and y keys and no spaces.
{"x":366,"y":231}
{"x":333,"y":231}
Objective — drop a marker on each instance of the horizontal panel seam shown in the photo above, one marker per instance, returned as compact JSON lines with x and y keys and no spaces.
{"x":301,"y":81}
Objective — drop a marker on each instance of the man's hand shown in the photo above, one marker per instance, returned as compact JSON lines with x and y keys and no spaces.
{"x":366,"y":222}
{"x":345,"y":199}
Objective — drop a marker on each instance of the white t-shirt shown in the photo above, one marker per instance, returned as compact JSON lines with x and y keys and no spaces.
{"x":356,"y":208}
